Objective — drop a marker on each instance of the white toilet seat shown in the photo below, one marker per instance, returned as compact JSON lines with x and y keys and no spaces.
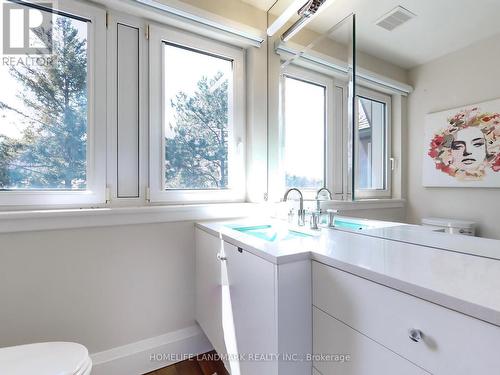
{"x":86,"y":368}
{"x":48,"y":358}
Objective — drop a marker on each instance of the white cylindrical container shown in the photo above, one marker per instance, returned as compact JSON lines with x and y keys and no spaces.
{"x":452,"y":226}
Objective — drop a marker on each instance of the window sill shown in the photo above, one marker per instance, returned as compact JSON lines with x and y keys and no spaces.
{"x":36,"y":220}
{"x":365,"y":204}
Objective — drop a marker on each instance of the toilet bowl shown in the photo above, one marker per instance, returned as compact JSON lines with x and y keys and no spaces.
{"x":47,"y":358}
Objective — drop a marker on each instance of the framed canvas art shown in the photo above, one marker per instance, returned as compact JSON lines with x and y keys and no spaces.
{"x":462,"y":147}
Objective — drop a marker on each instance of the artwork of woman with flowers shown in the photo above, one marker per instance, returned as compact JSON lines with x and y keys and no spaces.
{"x":468,"y":147}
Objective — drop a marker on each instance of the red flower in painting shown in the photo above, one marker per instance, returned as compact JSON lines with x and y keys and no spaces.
{"x":437,"y":141}
{"x":445,"y":168}
{"x":433,"y":153}
{"x":440,"y":166}
{"x":496,"y":164}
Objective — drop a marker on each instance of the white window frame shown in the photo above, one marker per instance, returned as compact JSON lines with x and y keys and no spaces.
{"x":115,"y":150}
{"x":96,"y":125}
{"x":158,"y":35}
{"x":333,"y":130}
{"x":387,"y":100}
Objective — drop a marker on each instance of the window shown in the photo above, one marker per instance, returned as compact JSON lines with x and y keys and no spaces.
{"x":198,"y":121}
{"x":43,"y":136}
{"x":47,"y":117}
{"x":373,"y":177}
{"x":309,"y":130}
{"x":304,"y":134}
{"x":196,"y":87}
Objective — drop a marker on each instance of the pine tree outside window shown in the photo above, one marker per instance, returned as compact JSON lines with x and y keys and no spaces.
{"x":50,"y":152}
{"x":44,"y":114}
{"x":197,"y":118}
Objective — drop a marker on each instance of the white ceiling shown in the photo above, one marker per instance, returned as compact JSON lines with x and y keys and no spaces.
{"x":441,"y":26}
{"x":261,"y":4}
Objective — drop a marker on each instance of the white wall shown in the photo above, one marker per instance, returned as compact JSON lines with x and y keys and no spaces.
{"x":386,"y":214}
{"x":102,"y":287}
{"x":468,"y":76}
{"x":235,"y":10}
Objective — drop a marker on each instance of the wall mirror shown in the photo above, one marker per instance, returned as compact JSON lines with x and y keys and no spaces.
{"x":387,"y":100}
{"x":436,"y":63}
{"x":311,"y":111}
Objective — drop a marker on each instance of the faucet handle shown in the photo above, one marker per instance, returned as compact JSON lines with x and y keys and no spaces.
{"x":331,"y":217}
{"x":315,"y":216}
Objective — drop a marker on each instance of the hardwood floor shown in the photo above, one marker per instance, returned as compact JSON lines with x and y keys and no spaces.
{"x":204,"y":364}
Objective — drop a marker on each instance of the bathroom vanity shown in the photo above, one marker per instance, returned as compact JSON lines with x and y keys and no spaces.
{"x":253,"y":308}
{"x":358,"y":303}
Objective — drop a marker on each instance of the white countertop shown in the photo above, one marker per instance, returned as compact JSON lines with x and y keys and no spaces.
{"x":446,"y":276}
{"x":413,"y":234}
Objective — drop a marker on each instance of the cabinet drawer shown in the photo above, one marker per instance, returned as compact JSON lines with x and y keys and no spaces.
{"x":366,"y":357}
{"x":452,"y":343}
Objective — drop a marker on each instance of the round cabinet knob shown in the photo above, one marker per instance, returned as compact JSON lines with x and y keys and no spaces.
{"x":220,"y":257}
{"x":415,"y":335}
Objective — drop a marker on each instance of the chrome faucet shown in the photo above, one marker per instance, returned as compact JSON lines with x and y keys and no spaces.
{"x":301,"y":213}
{"x":318,"y":194}
{"x":319,"y":213}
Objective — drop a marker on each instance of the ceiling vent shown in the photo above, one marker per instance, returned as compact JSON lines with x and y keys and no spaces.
{"x":395,"y":18}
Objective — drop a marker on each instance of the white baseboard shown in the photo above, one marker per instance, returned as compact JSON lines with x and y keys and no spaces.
{"x":148,"y":355}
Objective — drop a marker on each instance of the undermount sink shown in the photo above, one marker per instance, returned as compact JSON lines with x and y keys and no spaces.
{"x":282,"y":232}
{"x":270,"y":233}
{"x":348,"y":224}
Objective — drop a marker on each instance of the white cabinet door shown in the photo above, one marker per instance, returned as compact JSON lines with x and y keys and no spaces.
{"x":253,"y":302}
{"x":208,"y":289}
{"x":366,"y":357}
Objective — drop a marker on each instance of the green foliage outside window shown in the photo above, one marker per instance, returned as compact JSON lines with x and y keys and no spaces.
{"x":52,"y":148}
{"x":196,"y":157}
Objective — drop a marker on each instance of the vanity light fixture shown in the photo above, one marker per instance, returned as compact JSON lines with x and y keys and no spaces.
{"x":307,"y":12}
{"x":285,"y":16}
